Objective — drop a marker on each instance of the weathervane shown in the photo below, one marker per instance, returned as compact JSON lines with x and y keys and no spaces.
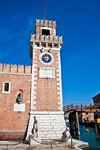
{"x":44,"y":12}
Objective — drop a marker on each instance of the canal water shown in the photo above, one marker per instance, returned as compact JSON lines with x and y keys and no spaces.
{"x":88,"y":137}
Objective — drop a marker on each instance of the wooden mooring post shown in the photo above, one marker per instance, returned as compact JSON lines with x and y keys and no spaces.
{"x":74,"y":123}
{"x":97,"y":125}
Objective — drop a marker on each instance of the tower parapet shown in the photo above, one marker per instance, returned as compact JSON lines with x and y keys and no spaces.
{"x":46,"y":23}
{"x":45,"y":27}
{"x":48,"y":38}
{"x":45,"y":36}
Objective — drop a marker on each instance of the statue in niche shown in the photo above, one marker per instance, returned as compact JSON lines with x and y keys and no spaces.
{"x":19,"y":98}
{"x":35,"y":128}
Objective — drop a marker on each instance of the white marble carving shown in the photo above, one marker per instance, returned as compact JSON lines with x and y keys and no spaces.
{"x":19,"y":107}
{"x":46,"y":72}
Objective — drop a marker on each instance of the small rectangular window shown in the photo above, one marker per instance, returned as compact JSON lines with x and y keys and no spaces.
{"x":6,"y":87}
{"x":86,"y":113}
{"x":45,"y":32}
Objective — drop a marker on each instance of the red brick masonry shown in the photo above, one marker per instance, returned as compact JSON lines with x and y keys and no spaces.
{"x":13,"y":124}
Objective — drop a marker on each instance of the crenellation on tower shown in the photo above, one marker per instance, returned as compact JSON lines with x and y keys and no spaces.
{"x":48,"y":38}
{"x":45,"y":22}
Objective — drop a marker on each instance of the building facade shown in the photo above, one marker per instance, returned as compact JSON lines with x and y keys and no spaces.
{"x":96,"y":99}
{"x":14,"y":117}
{"x":40,"y":87}
{"x":86,"y":117}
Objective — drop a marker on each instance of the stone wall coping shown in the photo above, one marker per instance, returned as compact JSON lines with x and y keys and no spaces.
{"x":46,"y":113}
{"x":22,"y":74}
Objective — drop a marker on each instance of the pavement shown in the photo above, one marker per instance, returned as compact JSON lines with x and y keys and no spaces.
{"x":24,"y":145}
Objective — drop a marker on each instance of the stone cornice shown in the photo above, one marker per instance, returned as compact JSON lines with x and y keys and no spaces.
{"x":22,"y":74}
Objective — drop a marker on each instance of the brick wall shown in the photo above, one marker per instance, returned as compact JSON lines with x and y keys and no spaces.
{"x":47,"y":91}
{"x":13,"y":125}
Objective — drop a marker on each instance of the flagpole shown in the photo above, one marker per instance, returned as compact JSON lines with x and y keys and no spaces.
{"x":44,"y":12}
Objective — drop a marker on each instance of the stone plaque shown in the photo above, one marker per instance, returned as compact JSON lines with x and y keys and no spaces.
{"x":19,"y":107}
{"x":46,"y":72}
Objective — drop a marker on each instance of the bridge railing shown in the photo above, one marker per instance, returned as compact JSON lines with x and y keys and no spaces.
{"x":80,"y":106}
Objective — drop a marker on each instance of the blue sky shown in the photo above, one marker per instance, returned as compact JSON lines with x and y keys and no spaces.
{"x":78,"y":21}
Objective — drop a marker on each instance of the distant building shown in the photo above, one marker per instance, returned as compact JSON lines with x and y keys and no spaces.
{"x":86,"y":117}
{"x":96,"y":99}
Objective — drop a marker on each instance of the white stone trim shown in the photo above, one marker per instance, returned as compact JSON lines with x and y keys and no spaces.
{"x":34,"y":97}
{"x":35,"y":69}
{"x":58,"y":93}
{"x":61,"y":101}
{"x":46,"y":112}
{"x":57,"y":70}
{"x":35,"y":78}
{"x":35,"y":65}
{"x":34,"y":92}
{"x":35,"y":83}
{"x":46,"y":48}
{"x":59,"y":108}
{"x":57,"y":75}
{"x":35,"y":60}
{"x":22,"y":74}
{"x":58,"y":88}
{"x":58,"y":83}
{"x":58,"y":79}
{"x":33,"y":86}
{"x":46,"y":28}
{"x":34,"y":102}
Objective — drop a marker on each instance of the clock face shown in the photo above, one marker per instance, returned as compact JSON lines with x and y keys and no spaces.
{"x":46,"y":58}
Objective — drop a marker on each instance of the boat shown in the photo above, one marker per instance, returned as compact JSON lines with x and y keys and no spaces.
{"x":88,"y":130}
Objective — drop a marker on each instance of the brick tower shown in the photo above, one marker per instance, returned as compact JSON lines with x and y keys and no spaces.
{"x":46,"y":87}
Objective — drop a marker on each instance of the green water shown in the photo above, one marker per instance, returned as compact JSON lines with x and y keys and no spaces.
{"x":88,"y":137}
